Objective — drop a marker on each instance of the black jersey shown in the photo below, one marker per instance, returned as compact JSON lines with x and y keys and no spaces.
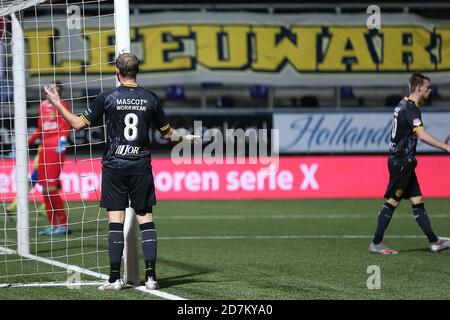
{"x":129,"y":112}
{"x":407,"y":120}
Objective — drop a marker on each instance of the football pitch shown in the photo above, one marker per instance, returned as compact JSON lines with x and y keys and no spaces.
{"x":255,"y":250}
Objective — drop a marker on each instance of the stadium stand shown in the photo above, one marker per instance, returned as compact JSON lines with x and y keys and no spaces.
{"x":210,"y":95}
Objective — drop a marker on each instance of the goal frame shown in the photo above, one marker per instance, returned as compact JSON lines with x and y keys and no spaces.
{"x":122,"y":45}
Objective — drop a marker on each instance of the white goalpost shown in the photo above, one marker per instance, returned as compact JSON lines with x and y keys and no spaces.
{"x":20,"y":126}
{"x":123,"y":44}
{"x":43,"y":42}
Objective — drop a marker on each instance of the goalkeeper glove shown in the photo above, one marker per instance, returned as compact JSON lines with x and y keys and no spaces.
{"x":62,"y":145}
{"x":34,"y":177}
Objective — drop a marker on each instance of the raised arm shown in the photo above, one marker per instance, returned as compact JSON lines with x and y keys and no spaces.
{"x":73,"y":120}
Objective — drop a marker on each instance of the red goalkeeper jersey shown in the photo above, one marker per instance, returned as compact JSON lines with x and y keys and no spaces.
{"x":51,"y":125}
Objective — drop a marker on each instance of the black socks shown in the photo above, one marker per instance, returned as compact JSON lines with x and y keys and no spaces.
{"x":115,"y":250}
{"x":423,"y":221}
{"x":149,"y":248}
{"x":116,"y":245}
{"x":384,"y":217}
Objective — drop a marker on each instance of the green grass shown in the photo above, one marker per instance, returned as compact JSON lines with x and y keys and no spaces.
{"x":252,"y":250}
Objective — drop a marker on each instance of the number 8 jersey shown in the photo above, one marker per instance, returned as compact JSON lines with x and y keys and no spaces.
{"x":407,"y":120}
{"x":129,"y":112}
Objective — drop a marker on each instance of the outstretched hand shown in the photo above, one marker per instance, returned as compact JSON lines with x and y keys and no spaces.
{"x":175,"y":136}
{"x":192,"y":138}
{"x":52,"y":93}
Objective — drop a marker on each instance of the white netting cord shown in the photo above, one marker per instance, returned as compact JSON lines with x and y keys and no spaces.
{"x":57,"y":52}
{"x":8,"y":7}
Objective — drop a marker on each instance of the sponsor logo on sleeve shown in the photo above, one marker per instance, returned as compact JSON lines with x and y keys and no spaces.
{"x":417,"y":122}
{"x":87,"y":112}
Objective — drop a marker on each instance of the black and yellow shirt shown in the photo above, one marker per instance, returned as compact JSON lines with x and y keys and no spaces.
{"x":129,"y":112}
{"x":407,"y":121}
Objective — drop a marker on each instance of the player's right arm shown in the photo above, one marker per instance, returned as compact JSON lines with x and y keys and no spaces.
{"x":430,"y":140}
{"x":73,"y":120}
{"x":414,"y":119}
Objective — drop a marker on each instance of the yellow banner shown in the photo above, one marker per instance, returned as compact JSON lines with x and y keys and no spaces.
{"x":238,"y":49}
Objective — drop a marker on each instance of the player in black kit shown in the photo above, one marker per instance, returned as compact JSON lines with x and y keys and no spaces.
{"x":407,"y":127}
{"x":127,"y":178}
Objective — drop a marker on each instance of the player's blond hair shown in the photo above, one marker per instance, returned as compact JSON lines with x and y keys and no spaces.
{"x":128,"y":65}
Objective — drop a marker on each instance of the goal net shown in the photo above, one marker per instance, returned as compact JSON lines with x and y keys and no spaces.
{"x":73,"y":44}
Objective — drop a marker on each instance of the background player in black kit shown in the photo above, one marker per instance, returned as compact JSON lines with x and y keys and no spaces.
{"x":127,"y":178}
{"x":403,"y":184}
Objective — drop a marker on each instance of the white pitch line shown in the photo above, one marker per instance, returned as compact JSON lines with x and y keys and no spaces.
{"x":7,"y":251}
{"x":285,"y":216}
{"x":158,"y":293}
{"x":241,"y":237}
{"x":95,"y":274}
{"x":66,"y":266}
{"x":53,"y":284}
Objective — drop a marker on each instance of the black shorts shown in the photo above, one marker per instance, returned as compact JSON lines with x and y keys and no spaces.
{"x":403,"y":183}
{"x":119,"y":190}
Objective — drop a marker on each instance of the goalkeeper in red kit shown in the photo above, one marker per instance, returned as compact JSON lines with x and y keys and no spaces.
{"x":53,"y":132}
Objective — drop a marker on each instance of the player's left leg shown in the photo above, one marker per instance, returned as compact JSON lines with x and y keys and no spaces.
{"x":116,"y":243}
{"x":422,"y":219}
{"x":418,"y":208}
{"x":115,"y":200}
